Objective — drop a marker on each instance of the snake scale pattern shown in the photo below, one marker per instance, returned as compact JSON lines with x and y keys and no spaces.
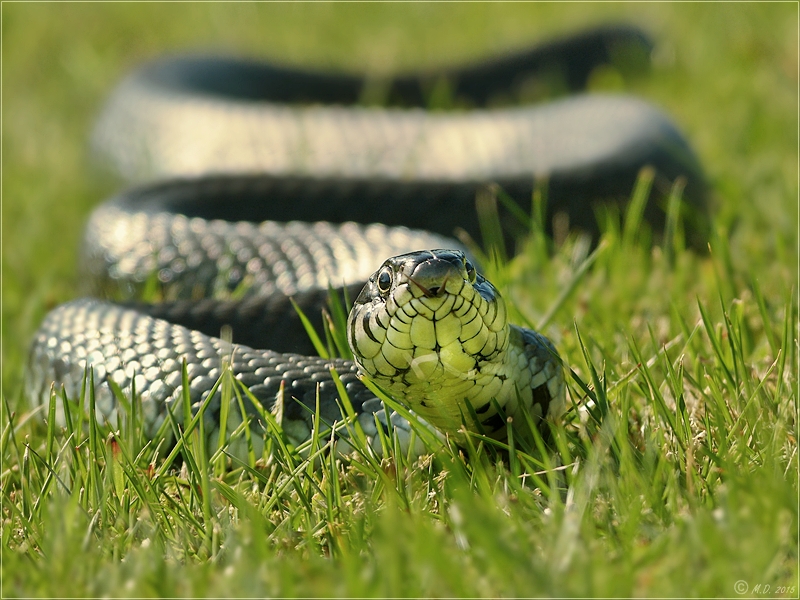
{"x":234,"y":159}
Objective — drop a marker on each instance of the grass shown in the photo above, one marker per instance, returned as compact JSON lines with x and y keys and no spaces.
{"x":676,"y":474}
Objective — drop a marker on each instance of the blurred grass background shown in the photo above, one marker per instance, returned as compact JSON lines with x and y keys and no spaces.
{"x":726,"y":72}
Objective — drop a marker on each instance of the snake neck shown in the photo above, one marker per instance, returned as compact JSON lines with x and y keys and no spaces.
{"x":523,"y":375}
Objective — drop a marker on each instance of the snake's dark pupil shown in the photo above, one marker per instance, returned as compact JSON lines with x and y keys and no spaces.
{"x":384,"y":281}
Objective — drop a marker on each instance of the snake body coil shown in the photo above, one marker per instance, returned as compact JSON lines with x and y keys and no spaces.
{"x":250,"y":151}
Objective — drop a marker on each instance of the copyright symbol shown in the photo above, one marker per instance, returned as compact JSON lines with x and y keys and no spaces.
{"x":740,"y":587}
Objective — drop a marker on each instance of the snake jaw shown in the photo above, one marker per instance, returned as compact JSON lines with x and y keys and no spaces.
{"x":429,"y":292}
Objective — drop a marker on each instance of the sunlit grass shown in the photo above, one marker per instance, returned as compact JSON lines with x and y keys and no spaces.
{"x":674,"y":472}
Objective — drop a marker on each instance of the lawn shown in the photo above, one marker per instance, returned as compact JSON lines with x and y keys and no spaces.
{"x":679,"y":475}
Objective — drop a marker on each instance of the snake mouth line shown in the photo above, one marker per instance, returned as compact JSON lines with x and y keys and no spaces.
{"x":431,"y":292}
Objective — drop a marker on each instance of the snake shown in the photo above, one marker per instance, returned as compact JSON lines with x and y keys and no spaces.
{"x":231,"y":159}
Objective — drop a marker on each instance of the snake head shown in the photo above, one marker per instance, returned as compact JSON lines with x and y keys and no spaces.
{"x":432,"y":331}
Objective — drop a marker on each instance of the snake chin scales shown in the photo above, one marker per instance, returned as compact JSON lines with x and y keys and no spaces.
{"x":434,"y":333}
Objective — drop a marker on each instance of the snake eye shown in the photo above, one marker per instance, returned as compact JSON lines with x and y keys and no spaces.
{"x":385,"y":280}
{"x":470,"y":271}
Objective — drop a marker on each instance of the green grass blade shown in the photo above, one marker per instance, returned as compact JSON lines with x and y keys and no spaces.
{"x":321,"y":348}
{"x":636,"y":206}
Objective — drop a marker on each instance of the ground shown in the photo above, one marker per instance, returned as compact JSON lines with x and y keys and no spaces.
{"x":678,"y":477}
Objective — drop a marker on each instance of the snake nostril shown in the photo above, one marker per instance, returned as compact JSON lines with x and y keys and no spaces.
{"x":434,"y":291}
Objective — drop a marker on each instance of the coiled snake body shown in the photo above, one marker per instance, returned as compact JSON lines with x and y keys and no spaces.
{"x":219,"y":242}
